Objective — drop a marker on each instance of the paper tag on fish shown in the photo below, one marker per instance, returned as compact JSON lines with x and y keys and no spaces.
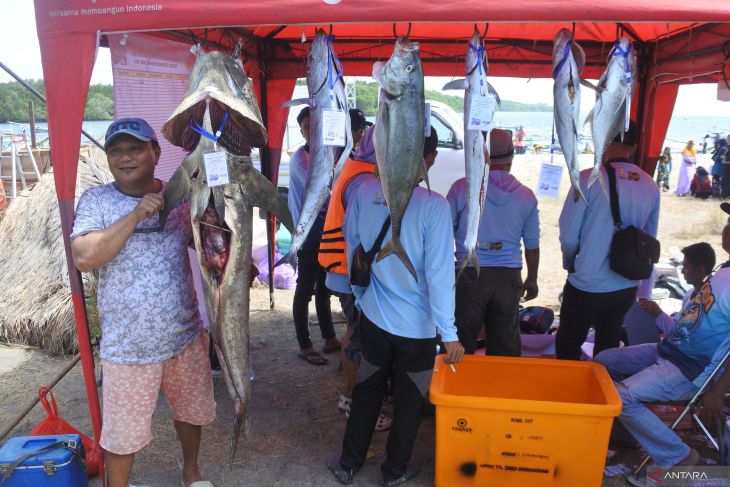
{"x":549,"y":182}
{"x":427,"y":117}
{"x":333,"y":127}
{"x":216,"y":168}
{"x":481,"y":112}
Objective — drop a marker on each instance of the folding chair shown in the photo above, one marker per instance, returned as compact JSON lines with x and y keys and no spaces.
{"x":691,"y":407}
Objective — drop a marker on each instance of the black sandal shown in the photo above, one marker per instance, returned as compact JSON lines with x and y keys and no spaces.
{"x":313,"y":358}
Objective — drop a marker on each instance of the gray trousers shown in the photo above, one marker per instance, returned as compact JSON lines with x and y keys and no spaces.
{"x":491,"y":301}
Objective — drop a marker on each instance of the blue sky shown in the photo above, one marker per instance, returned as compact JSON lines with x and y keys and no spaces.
{"x":20,"y":52}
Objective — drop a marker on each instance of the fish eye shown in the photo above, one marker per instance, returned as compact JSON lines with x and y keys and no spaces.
{"x":409,"y":68}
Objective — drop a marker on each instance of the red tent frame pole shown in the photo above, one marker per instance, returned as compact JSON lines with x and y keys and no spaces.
{"x":82,"y":329}
{"x":265,"y":154}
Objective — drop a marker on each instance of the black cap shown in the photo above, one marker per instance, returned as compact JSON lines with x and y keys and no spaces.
{"x":430,"y":143}
{"x":358,"y":120}
{"x":631,"y":136}
{"x":302,"y":115}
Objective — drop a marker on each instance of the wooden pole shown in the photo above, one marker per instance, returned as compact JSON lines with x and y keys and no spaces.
{"x":36,"y":399}
{"x":31,"y":121}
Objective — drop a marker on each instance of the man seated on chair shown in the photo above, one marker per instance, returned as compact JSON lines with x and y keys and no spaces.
{"x":675,"y":368}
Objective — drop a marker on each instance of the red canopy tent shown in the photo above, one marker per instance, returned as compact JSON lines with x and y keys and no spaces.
{"x":678,"y":42}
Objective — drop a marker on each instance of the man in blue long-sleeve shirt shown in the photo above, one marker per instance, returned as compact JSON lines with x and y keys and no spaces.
{"x":399,"y":322}
{"x":594,"y":295}
{"x":310,"y":276}
{"x":510,"y":217}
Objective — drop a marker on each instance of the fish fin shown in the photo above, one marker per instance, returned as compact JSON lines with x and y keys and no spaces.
{"x":239,"y":426}
{"x":588,"y":84}
{"x":423,"y":174}
{"x":282,"y":212}
{"x":471,"y":258}
{"x":297,"y":102}
{"x":258,"y":191}
{"x":396,"y":248}
{"x":597,"y":176}
{"x":380,"y":137}
{"x":589,"y":118}
{"x":494,"y":92}
{"x":290,"y":258}
{"x":176,"y":191}
{"x":578,"y":193}
{"x":377,"y":69}
{"x":579,"y":55}
{"x":457,"y":84}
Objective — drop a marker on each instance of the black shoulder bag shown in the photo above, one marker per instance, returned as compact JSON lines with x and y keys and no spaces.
{"x":633,"y":252}
{"x":362,"y":261}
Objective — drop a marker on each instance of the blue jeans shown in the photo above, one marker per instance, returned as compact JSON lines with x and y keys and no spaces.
{"x":641,"y":375}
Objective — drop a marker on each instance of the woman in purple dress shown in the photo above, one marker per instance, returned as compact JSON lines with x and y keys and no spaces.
{"x":689,"y":159}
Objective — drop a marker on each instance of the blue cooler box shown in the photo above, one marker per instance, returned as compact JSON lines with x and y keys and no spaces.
{"x":38,"y":461}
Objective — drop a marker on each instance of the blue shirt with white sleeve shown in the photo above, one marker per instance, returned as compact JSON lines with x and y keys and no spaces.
{"x":586,"y":231}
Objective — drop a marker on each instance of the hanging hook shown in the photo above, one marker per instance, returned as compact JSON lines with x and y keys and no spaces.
{"x":572,"y":34}
{"x":486,"y":29}
{"x":330,"y":29}
{"x":395,"y":34}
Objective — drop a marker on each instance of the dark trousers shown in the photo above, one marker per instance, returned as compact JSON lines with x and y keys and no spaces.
{"x":725,"y":181}
{"x":580,"y":310}
{"x":409,"y":362}
{"x":491,"y":301}
{"x":352,"y":313}
{"x":311,"y":281}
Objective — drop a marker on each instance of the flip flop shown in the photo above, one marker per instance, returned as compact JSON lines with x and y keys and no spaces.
{"x":199,"y":483}
{"x":313,"y":358}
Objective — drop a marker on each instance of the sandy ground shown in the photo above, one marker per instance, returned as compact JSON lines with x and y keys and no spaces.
{"x":295,"y":423}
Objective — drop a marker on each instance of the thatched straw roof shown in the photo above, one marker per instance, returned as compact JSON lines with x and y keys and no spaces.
{"x":35,"y":297}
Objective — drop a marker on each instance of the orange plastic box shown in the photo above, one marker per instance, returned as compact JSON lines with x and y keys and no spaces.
{"x":522,"y":422}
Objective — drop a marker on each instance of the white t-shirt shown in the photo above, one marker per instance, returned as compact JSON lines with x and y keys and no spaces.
{"x":147,"y":304}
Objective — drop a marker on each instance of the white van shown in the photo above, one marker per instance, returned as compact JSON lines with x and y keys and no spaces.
{"x":450,"y":130}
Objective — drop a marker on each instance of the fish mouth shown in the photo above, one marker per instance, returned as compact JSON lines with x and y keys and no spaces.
{"x":235,"y":132}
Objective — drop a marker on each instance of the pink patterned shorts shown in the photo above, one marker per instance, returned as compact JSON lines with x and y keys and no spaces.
{"x":130,"y":395}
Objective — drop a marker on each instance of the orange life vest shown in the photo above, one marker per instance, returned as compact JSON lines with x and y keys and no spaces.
{"x":332,"y":249}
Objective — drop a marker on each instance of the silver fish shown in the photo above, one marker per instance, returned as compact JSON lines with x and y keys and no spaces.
{"x":221,"y":216}
{"x":568,"y":62}
{"x":609,"y":116}
{"x":326,"y":92}
{"x":398,"y":136}
{"x":476,"y":163}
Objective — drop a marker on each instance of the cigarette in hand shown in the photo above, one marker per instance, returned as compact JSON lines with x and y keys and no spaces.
{"x":453,"y":369}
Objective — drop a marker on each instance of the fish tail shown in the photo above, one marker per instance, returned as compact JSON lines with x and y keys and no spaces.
{"x":471,"y":258}
{"x":395,"y":247}
{"x":604,"y":185}
{"x":595,"y":176}
{"x":240,"y":425}
{"x":290,"y":258}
